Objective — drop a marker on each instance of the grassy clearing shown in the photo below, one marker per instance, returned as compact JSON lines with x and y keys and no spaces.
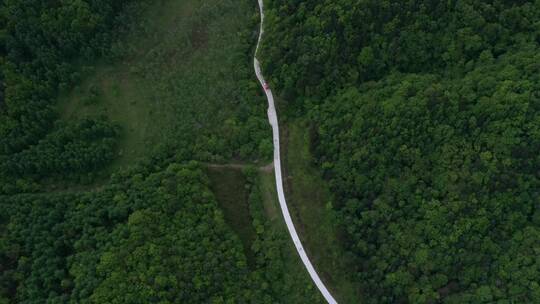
{"x":309,"y":201}
{"x":228,"y":184}
{"x":180,"y":76}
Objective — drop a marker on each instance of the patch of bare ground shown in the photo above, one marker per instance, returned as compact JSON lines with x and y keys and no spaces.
{"x":199,"y":36}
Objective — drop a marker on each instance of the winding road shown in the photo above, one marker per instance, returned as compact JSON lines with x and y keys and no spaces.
{"x":272,"y":118}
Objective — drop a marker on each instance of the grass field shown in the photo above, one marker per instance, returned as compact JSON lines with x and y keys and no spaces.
{"x":309,"y":202}
{"x":179,"y":76}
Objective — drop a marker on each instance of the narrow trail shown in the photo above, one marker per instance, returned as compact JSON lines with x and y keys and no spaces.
{"x":272,"y":118}
{"x":266,"y":168}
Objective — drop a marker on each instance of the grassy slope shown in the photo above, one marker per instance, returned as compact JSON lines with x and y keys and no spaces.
{"x":175,"y":78}
{"x":310,"y":204}
{"x":122,"y":95}
{"x":290,"y":258}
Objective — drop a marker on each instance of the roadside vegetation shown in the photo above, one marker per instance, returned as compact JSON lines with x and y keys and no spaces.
{"x":311,"y":206}
{"x":424,"y":119}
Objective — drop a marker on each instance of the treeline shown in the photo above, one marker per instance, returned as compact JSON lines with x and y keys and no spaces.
{"x":425,"y":122}
{"x":150,"y":236}
{"x":83,"y":146}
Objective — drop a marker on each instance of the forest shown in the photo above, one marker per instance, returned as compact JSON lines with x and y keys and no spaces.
{"x":424,"y":120}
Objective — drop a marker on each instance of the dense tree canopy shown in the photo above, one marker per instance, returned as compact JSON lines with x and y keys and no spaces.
{"x":119,"y":245}
{"x":324,"y":44}
{"x":438,"y":181}
{"x":425,"y":118}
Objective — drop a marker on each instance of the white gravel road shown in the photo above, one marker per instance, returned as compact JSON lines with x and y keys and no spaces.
{"x":272,"y":118}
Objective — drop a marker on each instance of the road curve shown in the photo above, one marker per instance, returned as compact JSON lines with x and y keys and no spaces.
{"x":272,"y":118}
